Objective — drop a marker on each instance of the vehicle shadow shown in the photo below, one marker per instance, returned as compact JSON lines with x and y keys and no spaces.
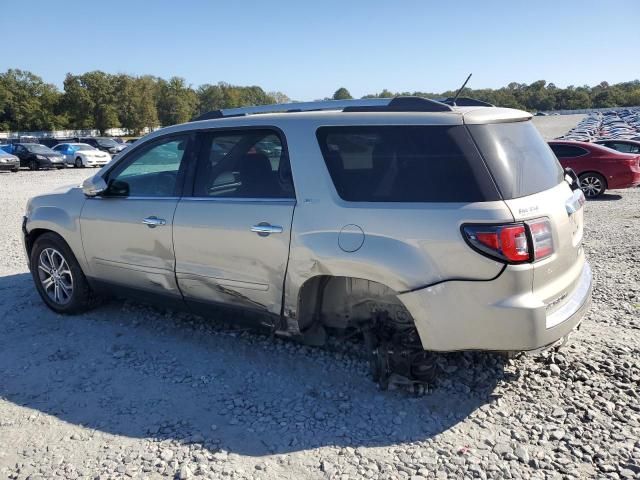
{"x":131,"y":370}
{"x":606,"y":197}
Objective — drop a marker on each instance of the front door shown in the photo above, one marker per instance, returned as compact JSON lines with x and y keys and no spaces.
{"x":231,"y":236}
{"x":126,"y":232}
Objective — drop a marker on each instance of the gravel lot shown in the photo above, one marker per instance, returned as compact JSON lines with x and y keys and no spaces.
{"x":553,"y":126}
{"x":130,"y":391}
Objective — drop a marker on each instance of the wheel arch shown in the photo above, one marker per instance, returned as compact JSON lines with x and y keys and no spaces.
{"x":587,"y":172}
{"x":341,"y":301}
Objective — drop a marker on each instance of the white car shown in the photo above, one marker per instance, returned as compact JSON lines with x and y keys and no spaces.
{"x":82,"y":155}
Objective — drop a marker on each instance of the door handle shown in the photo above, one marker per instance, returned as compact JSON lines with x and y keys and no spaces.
{"x":153,"y":221}
{"x":265,"y":229}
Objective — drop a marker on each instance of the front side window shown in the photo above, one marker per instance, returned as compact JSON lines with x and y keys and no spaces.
{"x":405,"y":164}
{"x":243,"y":164}
{"x":151,"y":172}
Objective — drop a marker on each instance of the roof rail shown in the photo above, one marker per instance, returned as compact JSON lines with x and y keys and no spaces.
{"x":465,"y":102}
{"x":397,"y":104}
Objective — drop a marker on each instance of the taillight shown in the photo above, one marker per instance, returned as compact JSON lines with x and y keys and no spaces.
{"x":512,"y":243}
{"x":542,"y":238}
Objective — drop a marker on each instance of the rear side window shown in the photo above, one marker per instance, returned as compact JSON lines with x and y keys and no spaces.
{"x":519,"y":159}
{"x":405,"y":164}
{"x":567,"y":151}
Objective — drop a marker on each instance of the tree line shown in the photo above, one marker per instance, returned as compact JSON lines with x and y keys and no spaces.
{"x":543,"y":96}
{"x":99,"y":100}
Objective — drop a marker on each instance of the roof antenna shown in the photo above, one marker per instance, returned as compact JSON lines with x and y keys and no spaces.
{"x":460,"y":91}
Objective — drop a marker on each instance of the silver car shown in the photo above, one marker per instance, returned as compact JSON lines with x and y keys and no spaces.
{"x":8,"y":162}
{"x":421,"y":225}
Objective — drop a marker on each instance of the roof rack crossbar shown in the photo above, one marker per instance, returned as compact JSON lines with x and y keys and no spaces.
{"x":397,"y":104}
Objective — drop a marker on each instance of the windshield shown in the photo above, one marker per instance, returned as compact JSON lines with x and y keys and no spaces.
{"x":107,"y":142}
{"x":518,"y":157}
{"x":83,"y":146}
{"x":37,"y":148}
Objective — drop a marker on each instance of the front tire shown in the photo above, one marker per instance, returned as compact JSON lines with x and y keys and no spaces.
{"x":33,"y":165}
{"x":592,"y":184}
{"x":58,"y":276}
{"x":79,"y":163}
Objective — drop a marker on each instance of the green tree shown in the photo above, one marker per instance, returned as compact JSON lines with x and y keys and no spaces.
{"x":91,"y":101}
{"x":224,"y":95}
{"x":27,"y":102}
{"x":279,"y":97}
{"x":342,"y":94}
{"x":176,"y":101}
{"x":136,"y":102}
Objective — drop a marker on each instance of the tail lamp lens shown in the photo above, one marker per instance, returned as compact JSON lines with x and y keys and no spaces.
{"x":541,"y":237}
{"x":513,"y":243}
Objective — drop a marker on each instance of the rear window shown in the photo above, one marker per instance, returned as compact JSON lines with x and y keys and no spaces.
{"x":405,"y":164}
{"x":519,"y":159}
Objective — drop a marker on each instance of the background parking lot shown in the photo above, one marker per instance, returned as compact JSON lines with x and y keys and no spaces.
{"x":131,"y":391}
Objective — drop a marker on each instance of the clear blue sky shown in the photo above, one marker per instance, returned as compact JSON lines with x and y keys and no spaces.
{"x":307,"y":49}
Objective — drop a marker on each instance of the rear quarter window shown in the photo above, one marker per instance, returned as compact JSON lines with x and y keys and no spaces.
{"x":519,"y":159}
{"x":405,"y":164}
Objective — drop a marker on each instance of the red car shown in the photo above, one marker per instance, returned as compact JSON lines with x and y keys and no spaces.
{"x":599,"y":168}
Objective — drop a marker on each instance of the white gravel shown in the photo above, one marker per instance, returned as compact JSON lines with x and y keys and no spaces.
{"x":553,"y":126}
{"x":130,"y":391}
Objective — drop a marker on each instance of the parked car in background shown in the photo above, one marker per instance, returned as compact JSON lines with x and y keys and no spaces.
{"x":622,"y":146}
{"x":82,"y":155}
{"x":105,"y":144}
{"x":599,"y":168}
{"x":37,"y":156}
{"x":422,"y":225}
{"x":52,"y":142}
{"x":9,"y":162}
{"x":7,"y":147}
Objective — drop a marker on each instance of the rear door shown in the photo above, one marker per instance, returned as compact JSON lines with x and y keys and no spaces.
{"x":232,"y":235}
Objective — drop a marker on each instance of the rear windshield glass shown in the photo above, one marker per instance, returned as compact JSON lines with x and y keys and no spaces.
{"x":519,"y":159}
{"x":405,"y":164}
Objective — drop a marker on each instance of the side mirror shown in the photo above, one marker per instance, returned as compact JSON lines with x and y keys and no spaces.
{"x":94,"y":186}
{"x":118,"y":188}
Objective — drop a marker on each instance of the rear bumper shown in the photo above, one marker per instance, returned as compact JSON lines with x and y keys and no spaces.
{"x":625,"y":180}
{"x":463,"y":315}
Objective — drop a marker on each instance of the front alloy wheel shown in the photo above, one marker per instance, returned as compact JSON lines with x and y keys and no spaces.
{"x":58,"y":276}
{"x":592,"y":185}
{"x":79,"y":163}
{"x":55,"y":276}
